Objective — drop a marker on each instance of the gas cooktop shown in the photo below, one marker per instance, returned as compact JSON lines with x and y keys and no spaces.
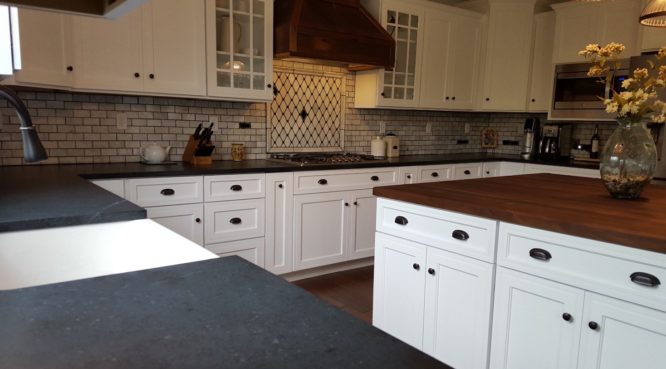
{"x":341,"y":158}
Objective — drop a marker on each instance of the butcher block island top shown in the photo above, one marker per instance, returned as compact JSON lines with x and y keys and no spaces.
{"x":565,"y":204}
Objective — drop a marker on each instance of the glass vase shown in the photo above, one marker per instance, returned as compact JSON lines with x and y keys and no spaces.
{"x":628,"y":160}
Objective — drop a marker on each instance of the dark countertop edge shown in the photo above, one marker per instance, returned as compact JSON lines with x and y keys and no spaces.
{"x":68,"y":221}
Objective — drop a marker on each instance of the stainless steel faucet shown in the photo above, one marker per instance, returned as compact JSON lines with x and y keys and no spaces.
{"x":33,"y":150}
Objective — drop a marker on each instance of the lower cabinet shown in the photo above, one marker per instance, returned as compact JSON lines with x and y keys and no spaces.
{"x":364,"y":213}
{"x":279,"y":222}
{"x":434,"y":300}
{"x":251,"y":250}
{"x":186,"y":220}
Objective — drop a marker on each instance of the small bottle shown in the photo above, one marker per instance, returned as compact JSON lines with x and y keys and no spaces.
{"x":594,"y":144}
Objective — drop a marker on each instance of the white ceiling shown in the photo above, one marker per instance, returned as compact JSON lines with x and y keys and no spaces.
{"x":540,"y":4}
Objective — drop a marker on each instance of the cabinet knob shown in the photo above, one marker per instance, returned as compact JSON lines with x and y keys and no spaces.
{"x":487,"y":172}
{"x":168,"y":192}
{"x":533,"y":100}
{"x":269,"y":85}
{"x":431,"y":271}
{"x":434,"y":174}
{"x":487,"y":99}
{"x":374,"y":178}
{"x":593,"y":326}
{"x":460,"y":235}
{"x":540,"y":254}
{"x":447,"y":97}
{"x":401,"y":220}
{"x":237,"y":188}
{"x":137,"y":75}
{"x":322,"y":182}
{"x":235,"y":221}
{"x":645,"y":279}
{"x":467,"y":172}
{"x":70,"y":68}
{"x":383,"y":94}
{"x":416,"y":266}
{"x":346,"y":204}
{"x":280,"y":185}
{"x":198,"y":220}
{"x":566,"y":317}
{"x":151,"y":76}
{"x":409,"y":176}
{"x":356,"y":203}
{"x":453,"y":98}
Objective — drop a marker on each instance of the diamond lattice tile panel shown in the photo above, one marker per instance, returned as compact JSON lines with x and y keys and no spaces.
{"x":307,"y":113}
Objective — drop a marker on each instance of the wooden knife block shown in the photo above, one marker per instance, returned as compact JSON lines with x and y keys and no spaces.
{"x":189,"y":153}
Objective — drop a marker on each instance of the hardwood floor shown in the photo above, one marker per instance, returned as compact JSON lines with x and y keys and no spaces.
{"x":350,"y":291}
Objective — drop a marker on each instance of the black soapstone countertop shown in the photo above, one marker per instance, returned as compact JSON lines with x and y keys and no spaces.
{"x":44,"y":196}
{"x":220,"y":313}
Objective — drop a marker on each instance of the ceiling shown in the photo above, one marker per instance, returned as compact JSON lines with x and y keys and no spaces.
{"x":540,"y":4}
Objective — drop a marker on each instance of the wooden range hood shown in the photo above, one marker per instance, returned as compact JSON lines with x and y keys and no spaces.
{"x":331,"y":30}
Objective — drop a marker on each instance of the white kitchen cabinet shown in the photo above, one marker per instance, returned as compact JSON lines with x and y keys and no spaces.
{"x":507,"y":57}
{"x":279,"y":222}
{"x":108,"y":54}
{"x":458,"y":301}
{"x":399,"y":87}
{"x":251,"y":250}
{"x":115,"y":186}
{"x":508,"y":168}
{"x":160,"y":191}
{"x":362,"y":230}
{"x":239,"y":40}
{"x":185,"y":220}
{"x":234,"y":187}
{"x":467,"y":171}
{"x":627,"y":335}
{"x":45,"y":48}
{"x":399,"y":288}
{"x":321,"y":229}
{"x":542,"y":72}
{"x":536,"y":323}
{"x":491,"y":169}
{"x":408,"y":175}
{"x":578,"y":24}
{"x":234,"y":220}
{"x":452,"y":45}
{"x":174,"y":48}
{"x":435,"y":173}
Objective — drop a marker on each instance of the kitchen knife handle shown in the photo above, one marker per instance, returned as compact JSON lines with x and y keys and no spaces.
{"x":168,"y":192}
{"x":645,"y":279}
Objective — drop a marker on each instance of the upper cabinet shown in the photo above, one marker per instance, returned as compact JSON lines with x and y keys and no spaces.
{"x":581,"y":23}
{"x":508,"y":55}
{"x":240,"y":49}
{"x":542,"y":72}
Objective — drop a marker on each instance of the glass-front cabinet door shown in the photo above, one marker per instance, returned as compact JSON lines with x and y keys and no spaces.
{"x":400,"y":86}
{"x":239,"y":34}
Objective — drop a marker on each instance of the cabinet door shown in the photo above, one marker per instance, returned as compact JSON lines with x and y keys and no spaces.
{"x":463,"y":63}
{"x":399,"y":288}
{"x":400,"y":87}
{"x":320,"y":229}
{"x":279,"y":222}
{"x":576,"y":25}
{"x":437,"y":42}
{"x":652,"y":38}
{"x":186,"y":220}
{"x":627,"y":336}
{"x":457,"y":309}
{"x":507,"y":56}
{"x":174,"y":47}
{"x":239,"y":39}
{"x":362,"y":230}
{"x":107,"y":53}
{"x":45,"y":48}
{"x":529,"y":326}
{"x":543,"y":69}
{"x":408,"y":175}
{"x":619,"y":24}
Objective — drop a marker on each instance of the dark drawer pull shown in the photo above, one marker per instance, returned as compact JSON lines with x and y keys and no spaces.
{"x":434,"y":174}
{"x":168,"y":192}
{"x":235,"y":221}
{"x":540,"y":254}
{"x":431,"y":271}
{"x":237,"y":188}
{"x":593,"y":326}
{"x":460,"y":235}
{"x":416,"y":266}
{"x":374,"y":178}
{"x":467,"y":172}
{"x":401,"y":220}
{"x":322,"y":182}
{"x":566,"y":317}
{"x":645,"y":279}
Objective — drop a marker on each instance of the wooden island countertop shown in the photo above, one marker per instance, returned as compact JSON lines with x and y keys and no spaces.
{"x":571,"y":205}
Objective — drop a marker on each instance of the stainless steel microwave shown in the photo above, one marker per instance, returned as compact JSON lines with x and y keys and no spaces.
{"x":576,"y":96}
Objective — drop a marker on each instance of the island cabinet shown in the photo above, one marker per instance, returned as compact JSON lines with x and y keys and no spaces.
{"x":569,"y":302}
{"x":433,"y":281}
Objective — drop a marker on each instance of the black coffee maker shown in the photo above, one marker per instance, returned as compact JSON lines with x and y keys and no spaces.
{"x":555,"y":142}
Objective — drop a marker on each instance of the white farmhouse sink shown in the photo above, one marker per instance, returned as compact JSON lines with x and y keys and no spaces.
{"x":37,"y":257}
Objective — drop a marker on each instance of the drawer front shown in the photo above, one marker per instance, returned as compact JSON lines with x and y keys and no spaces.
{"x":164,"y":191}
{"x":233,"y":220}
{"x":344,"y":180}
{"x":468,"y":171}
{"x":436,"y":173}
{"x":459,"y":233}
{"x":491,"y":169}
{"x":591,"y":265}
{"x":251,"y":250}
{"x":234,"y":187}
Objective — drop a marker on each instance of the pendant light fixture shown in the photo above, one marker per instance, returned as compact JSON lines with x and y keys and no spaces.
{"x":654,"y":14}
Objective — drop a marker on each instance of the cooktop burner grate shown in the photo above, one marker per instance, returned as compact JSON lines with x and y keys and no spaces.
{"x":323,"y":158}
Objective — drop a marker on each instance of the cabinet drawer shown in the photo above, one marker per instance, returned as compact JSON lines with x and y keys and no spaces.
{"x":233,"y":220}
{"x":462,"y":234}
{"x":468,"y":171}
{"x":592,"y":265}
{"x":164,"y":191}
{"x":342,"y":180}
{"x":234,"y":187}
{"x":436,"y":173}
{"x":251,"y":250}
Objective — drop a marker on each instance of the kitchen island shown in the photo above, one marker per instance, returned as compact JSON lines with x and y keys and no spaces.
{"x":532,"y":271}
